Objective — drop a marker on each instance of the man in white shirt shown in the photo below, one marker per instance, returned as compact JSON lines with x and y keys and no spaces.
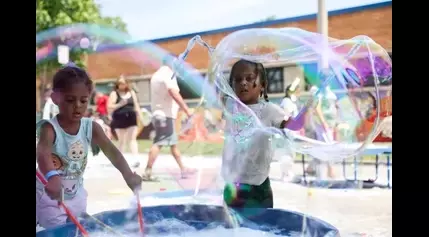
{"x":165,"y":103}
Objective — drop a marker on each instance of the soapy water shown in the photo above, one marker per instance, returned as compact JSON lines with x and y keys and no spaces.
{"x":204,"y":233}
{"x":177,"y":228}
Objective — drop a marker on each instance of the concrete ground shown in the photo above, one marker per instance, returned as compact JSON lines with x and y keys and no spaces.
{"x":365,"y":212}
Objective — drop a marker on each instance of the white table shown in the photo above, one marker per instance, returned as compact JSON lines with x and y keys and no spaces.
{"x":376,"y":149}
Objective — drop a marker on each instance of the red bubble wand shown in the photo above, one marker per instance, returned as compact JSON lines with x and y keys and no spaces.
{"x":68,"y":212}
{"x":139,"y":212}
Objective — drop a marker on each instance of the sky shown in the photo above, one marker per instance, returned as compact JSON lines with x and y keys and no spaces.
{"x":153,"y":19}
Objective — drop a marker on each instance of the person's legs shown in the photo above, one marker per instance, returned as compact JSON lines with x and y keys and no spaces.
{"x":172,"y":141}
{"x":176,"y":154}
{"x":153,"y":154}
{"x":325,"y":135}
{"x":131,"y":139}
{"x":120,"y":133}
{"x":78,"y":204}
{"x":50,"y":215}
{"x":158,"y":141}
{"x":286,"y":166}
{"x":330,"y":171}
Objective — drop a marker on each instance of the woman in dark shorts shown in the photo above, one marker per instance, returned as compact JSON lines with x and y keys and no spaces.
{"x":125,"y":110}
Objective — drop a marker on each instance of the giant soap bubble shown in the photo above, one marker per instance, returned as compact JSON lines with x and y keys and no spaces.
{"x":352,"y":69}
{"x":330,"y":116}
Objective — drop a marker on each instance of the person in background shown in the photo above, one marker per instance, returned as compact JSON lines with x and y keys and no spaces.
{"x":125,"y":110}
{"x":101,"y":106}
{"x":165,"y":104}
{"x":289,"y":101}
{"x":384,"y":131}
{"x":50,"y":109}
{"x":96,"y":118}
{"x":324,"y":121}
{"x":288,"y":104}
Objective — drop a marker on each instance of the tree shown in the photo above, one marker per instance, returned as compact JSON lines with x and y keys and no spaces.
{"x":54,"y":13}
{"x":269,"y":18}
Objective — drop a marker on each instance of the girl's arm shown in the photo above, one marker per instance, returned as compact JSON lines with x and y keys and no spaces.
{"x":280,"y":118}
{"x":44,"y":148}
{"x":111,"y":102}
{"x":112,"y":153}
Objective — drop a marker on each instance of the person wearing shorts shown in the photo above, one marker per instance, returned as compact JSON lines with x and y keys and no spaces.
{"x":165,"y":103}
{"x":165,"y":134}
{"x":324,"y":121}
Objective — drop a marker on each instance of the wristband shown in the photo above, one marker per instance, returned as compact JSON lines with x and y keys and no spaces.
{"x":50,"y":174}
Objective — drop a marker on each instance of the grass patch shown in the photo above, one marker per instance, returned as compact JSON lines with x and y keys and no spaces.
{"x":187,"y":148}
{"x":211,"y":149}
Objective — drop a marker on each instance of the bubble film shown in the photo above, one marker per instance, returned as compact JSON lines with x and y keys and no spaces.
{"x":346,"y":79}
{"x":331,"y":116}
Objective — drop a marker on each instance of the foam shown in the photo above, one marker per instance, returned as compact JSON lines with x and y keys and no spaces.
{"x":190,"y":232}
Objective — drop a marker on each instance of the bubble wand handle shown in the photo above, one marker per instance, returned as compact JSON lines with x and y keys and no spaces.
{"x":68,"y":212}
{"x":139,"y":212}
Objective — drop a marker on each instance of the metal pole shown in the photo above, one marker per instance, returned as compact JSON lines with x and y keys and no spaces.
{"x":322,"y":27}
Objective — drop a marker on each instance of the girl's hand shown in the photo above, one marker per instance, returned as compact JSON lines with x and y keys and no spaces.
{"x":133,"y":181}
{"x":53,"y":188}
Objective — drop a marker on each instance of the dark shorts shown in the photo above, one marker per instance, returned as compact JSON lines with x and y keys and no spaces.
{"x":123,"y":120}
{"x":249,"y":196}
{"x":165,"y":133}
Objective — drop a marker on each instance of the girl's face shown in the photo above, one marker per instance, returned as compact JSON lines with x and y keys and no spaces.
{"x":296,"y":92}
{"x":246,"y":83}
{"x":122,"y":85}
{"x":73,"y":102}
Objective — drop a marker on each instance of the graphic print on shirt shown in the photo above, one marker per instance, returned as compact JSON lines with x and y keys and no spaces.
{"x":77,"y":159}
{"x":243,"y":123}
{"x":58,"y":163}
{"x":76,"y":154}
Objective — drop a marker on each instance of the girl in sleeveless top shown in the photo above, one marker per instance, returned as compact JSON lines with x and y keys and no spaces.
{"x":62,"y":150}
{"x":125,"y":110}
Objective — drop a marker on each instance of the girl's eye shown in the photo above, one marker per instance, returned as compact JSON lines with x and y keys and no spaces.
{"x":250,"y":78}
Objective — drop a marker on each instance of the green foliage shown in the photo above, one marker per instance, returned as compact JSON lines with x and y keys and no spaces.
{"x":268,"y":18}
{"x":54,"y":13}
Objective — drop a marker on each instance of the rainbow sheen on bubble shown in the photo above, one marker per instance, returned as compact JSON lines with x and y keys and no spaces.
{"x":94,"y":39}
{"x":349,"y":67}
{"x":91,"y":38}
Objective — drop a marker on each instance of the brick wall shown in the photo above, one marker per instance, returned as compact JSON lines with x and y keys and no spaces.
{"x":375,"y":23}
